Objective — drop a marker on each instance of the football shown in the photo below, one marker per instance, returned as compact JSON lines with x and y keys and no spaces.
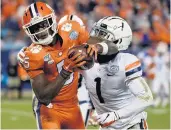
{"x":89,"y":60}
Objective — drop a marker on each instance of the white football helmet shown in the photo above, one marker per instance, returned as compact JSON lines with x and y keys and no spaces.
{"x":113,"y":29}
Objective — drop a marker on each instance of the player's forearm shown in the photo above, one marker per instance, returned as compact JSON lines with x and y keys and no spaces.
{"x":51,"y":89}
{"x":134,"y":108}
{"x":143,"y":98}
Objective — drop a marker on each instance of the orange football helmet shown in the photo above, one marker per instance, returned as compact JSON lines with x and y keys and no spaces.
{"x":39,"y":23}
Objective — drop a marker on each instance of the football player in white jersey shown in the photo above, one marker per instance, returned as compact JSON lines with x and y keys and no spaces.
{"x":160,"y":84}
{"x":115,"y":84}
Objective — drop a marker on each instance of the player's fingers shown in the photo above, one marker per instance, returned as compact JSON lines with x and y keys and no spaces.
{"x":89,"y":49}
{"x":107,"y":124}
{"x":95,"y":53}
{"x":26,"y":58}
{"x":79,"y":59}
{"x":23,"y":49}
{"x":81,"y":64}
{"x":20,"y":58}
{"x":91,"y":52}
{"x":22,"y":53}
{"x":99,"y":119}
{"x":75,"y":56}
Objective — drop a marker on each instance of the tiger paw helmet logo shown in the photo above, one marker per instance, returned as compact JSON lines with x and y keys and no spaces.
{"x":67,"y":27}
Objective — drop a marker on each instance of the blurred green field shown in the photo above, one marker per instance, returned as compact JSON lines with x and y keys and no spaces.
{"x":17,"y":114}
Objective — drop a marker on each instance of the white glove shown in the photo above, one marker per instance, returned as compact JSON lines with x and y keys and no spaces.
{"x":107,"y":119}
{"x":22,"y":59}
{"x":21,"y":55}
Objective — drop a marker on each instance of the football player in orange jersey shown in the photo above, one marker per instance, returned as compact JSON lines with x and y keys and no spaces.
{"x":49,"y":68}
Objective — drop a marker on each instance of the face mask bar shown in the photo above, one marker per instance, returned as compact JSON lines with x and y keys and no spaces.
{"x":47,"y":26}
{"x":102,"y":33}
{"x":35,"y":28}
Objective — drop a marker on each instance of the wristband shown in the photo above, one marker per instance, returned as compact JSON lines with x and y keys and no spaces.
{"x":105,"y":48}
{"x":64,"y":73}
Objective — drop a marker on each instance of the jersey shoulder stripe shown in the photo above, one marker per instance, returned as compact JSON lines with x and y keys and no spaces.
{"x":132,"y":65}
{"x":128,"y":73}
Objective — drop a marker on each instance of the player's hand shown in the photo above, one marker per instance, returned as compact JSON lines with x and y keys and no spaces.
{"x":21,"y":55}
{"x":22,"y":59}
{"x":92,"y":50}
{"x":71,"y":63}
{"x":106,"y":119}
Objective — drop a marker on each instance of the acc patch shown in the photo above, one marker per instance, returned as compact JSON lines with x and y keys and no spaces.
{"x":112,"y":70}
{"x":36,"y":49}
{"x":73,"y":35}
{"x":48,"y":59}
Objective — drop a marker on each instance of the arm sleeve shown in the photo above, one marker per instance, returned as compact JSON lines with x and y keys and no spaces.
{"x":143,"y":98}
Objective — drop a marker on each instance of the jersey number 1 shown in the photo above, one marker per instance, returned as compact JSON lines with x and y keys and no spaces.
{"x":98,"y":89}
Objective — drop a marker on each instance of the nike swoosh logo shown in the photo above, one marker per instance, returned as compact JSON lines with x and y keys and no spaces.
{"x":106,"y":117}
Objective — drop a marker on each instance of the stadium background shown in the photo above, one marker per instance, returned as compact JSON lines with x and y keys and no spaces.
{"x":149,"y":20}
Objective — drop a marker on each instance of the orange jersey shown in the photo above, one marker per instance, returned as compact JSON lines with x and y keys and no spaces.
{"x":72,"y":34}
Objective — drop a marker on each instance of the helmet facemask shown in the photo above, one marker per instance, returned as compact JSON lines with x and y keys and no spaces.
{"x":101,"y":32}
{"x":104,"y":35}
{"x":43,"y":30}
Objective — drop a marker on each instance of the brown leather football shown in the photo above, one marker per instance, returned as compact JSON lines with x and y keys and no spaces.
{"x":81,"y":48}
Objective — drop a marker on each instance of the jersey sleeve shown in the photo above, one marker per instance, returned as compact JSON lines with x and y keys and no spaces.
{"x":34,"y":61}
{"x":132,"y":66}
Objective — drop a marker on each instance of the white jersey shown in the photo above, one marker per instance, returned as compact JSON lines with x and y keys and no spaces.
{"x":161,"y":67}
{"x":107,"y":87}
{"x":161,"y":79}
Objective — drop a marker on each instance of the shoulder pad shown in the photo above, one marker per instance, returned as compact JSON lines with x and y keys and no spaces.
{"x":35,"y":54}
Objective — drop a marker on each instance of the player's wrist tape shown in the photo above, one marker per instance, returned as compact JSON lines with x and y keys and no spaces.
{"x":105,"y":48}
{"x":64,"y":73}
